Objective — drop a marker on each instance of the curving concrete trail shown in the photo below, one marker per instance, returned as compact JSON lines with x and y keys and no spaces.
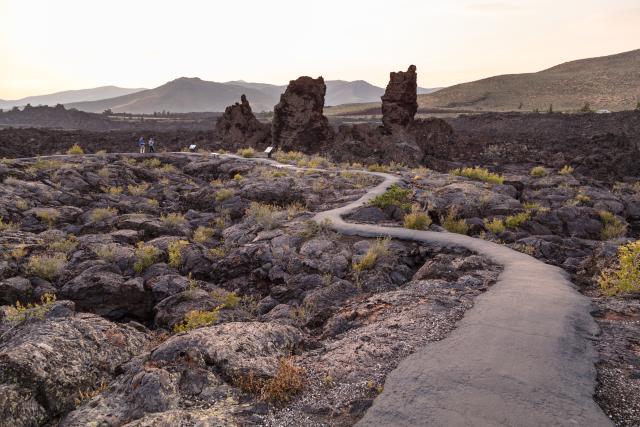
{"x":522,"y":356}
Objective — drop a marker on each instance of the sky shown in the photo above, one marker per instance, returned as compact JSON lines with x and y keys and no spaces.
{"x":48,"y":46}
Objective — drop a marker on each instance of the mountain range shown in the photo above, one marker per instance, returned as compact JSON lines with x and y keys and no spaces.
{"x":194,"y":95}
{"x":608,"y":82}
{"x":69,"y":96}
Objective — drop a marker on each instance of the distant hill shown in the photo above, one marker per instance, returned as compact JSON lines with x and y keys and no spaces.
{"x":180,"y":95}
{"x":608,"y":82}
{"x":193,"y":94}
{"x":70,"y":96}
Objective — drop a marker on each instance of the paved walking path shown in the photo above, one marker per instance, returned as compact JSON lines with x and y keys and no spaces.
{"x":522,"y":356}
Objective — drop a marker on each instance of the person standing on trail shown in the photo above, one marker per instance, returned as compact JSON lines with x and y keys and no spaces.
{"x":152,"y":145}
{"x":141,"y":144}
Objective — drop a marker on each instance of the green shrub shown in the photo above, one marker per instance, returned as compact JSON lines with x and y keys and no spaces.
{"x":75,"y":150}
{"x":202,"y":234}
{"x":416,"y":219}
{"x":100,"y":214}
{"x":479,"y":174}
{"x":264,"y":214}
{"x":376,"y":250}
{"x":45,"y":266}
{"x":626,"y":276}
{"x":146,"y":256}
{"x":538,"y":172}
{"x":197,"y":319}
{"x":246,"y":152}
{"x":237,"y":177}
{"x":612,"y":226}
{"x":224,"y":194}
{"x":394,"y":196}
{"x":515,"y":221}
{"x":453,"y":224}
{"x":496,"y":226}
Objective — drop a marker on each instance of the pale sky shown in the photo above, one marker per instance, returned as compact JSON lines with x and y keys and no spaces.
{"x":52,"y":45}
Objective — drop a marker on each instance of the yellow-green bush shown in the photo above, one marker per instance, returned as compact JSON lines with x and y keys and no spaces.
{"x":224,"y":194}
{"x":515,"y":221}
{"x":538,"y":172}
{"x":47,"y":266}
{"x":100,"y":214}
{"x":173,"y":218}
{"x":453,"y":224}
{"x":8,"y":226}
{"x":625,"y":277}
{"x":65,"y":246}
{"x":108,"y":252}
{"x":197,"y":319}
{"x":228,"y":300}
{"x":376,"y":167}
{"x":294,"y":209}
{"x":264,"y":214}
{"x":44,"y":164}
{"x":146,"y":256}
{"x":246,"y":152}
{"x":202,"y":234}
{"x":417,"y":219}
{"x":479,"y":174}
{"x":19,"y":312}
{"x":174,"y":251}
{"x":50,"y":216}
{"x":138,"y":190}
{"x":612,"y":226}
{"x":75,"y":150}
{"x":113,"y":190}
{"x":496,"y":225}
{"x":238,"y":177}
{"x":566,"y":170}
{"x":378,"y":249}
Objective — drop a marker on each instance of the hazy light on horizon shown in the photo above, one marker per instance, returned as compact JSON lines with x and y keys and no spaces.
{"x":48,"y":46}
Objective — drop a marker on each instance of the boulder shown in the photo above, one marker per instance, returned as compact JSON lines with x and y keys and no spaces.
{"x":45,"y":364}
{"x":15,"y":289}
{"x":102,"y":291}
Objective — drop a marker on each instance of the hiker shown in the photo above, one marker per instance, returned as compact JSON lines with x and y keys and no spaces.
{"x":152,"y":145}
{"x":141,"y":144}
